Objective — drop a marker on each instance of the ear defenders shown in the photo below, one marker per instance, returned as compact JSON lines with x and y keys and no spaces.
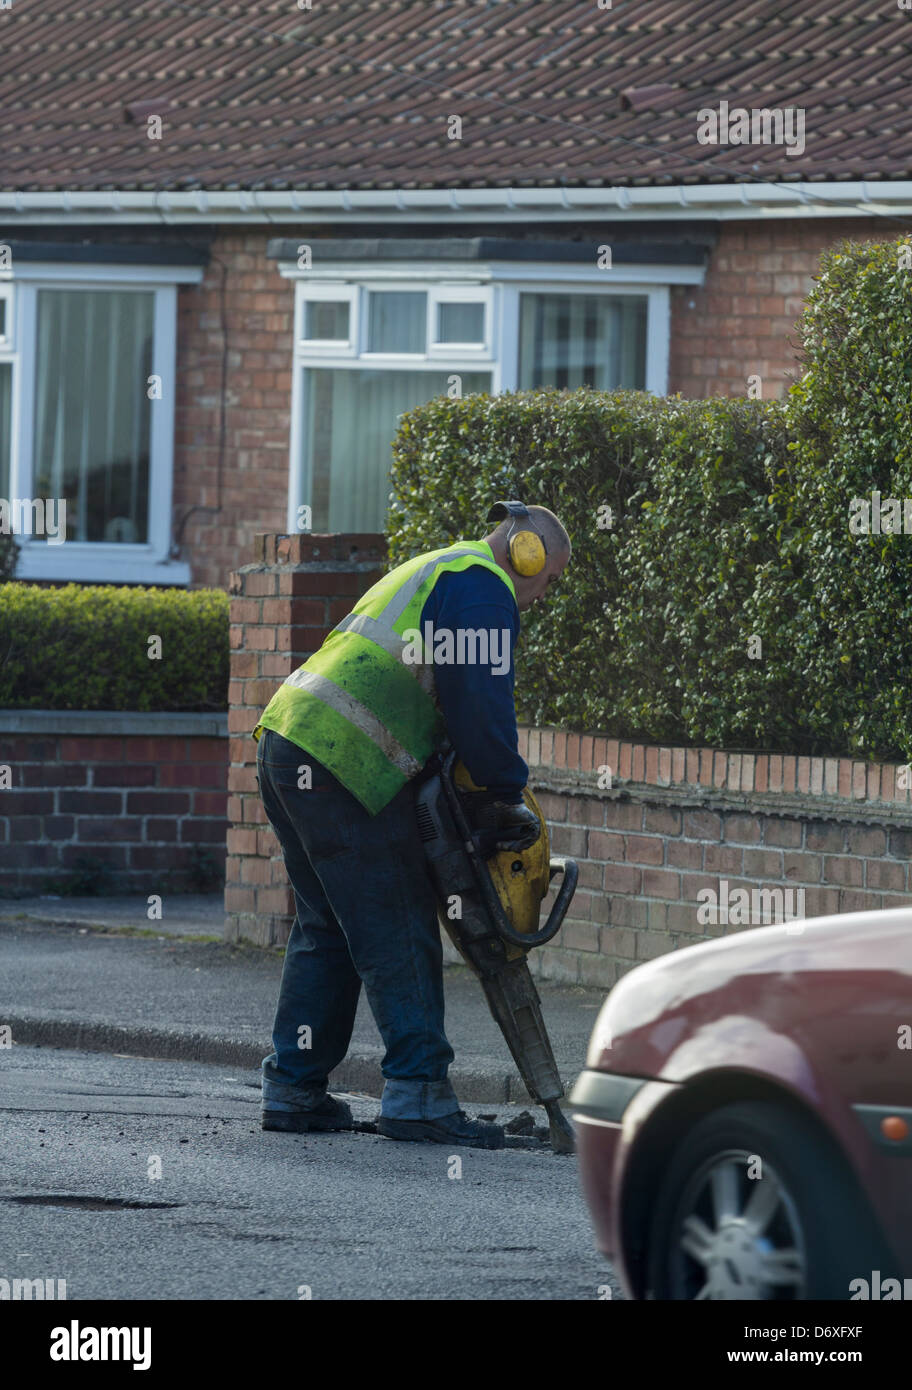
{"x":528,"y":552}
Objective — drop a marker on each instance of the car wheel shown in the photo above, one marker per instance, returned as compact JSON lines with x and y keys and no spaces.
{"x":757,"y":1205}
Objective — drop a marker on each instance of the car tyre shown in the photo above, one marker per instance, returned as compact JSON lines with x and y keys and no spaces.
{"x":756,"y":1204}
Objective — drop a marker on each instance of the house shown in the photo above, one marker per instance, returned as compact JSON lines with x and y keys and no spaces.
{"x":235,"y":246}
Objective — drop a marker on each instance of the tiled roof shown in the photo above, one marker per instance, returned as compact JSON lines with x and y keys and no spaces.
{"x":261,"y":94}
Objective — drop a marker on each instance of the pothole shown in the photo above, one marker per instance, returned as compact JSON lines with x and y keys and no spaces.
{"x":64,"y":1199}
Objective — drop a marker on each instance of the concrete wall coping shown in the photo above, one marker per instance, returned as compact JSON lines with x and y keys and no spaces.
{"x":98,"y":722}
{"x":845,"y":781}
{"x":545,"y":779}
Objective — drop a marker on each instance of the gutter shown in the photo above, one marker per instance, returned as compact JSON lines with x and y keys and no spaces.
{"x":722,"y":202}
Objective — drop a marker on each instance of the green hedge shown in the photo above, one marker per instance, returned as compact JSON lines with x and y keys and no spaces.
{"x":646,"y":622}
{"x":729,"y":603}
{"x":87,"y":647}
{"x":835,"y":606}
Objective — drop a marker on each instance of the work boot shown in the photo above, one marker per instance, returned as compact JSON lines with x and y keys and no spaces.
{"x":456,"y":1128}
{"x":331,"y":1113}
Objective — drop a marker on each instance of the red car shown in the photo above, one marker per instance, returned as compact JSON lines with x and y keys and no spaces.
{"x":744,"y":1124}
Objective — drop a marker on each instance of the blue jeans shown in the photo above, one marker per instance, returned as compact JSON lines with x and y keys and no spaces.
{"x":366,"y":912}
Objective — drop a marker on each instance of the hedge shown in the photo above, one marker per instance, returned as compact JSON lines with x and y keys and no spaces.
{"x":836,"y":607}
{"x":645,"y":624}
{"x":88,"y":647}
{"x":728,"y":603}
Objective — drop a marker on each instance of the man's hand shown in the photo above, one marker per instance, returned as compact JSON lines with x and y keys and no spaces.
{"x":506,"y":826}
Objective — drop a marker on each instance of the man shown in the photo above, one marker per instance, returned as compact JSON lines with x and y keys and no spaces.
{"x":341,"y":745}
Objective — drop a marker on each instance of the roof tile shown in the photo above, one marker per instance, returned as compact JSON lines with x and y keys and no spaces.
{"x":261,"y":93}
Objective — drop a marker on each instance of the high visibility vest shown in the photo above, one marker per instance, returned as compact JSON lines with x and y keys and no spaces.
{"x":369,"y":716}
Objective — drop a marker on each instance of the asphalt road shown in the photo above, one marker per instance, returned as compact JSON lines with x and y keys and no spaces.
{"x":239,"y":1214}
{"x":157,"y":996}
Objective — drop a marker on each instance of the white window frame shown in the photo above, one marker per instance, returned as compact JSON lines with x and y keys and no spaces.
{"x":380,"y":359}
{"x":460,"y":294}
{"x":10,"y":357}
{"x":98,"y":561}
{"x":499,"y":286}
{"x":658,"y":319}
{"x":332,"y":294}
{"x":8,"y":335}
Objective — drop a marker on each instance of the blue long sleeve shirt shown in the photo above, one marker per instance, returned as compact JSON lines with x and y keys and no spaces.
{"x":476,"y":697}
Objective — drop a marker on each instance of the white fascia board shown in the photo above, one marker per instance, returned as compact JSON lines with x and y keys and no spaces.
{"x":558,"y":272}
{"x":673,"y":202}
{"x":137,"y":276}
{"x":344,"y":272}
{"x":477,"y":273}
{"x":679,"y":202}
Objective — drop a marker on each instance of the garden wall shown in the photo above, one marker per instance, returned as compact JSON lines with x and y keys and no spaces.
{"x":673,"y":822}
{"x":103,"y":800}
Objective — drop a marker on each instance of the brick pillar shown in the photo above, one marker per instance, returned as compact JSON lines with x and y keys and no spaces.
{"x":282,"y":607}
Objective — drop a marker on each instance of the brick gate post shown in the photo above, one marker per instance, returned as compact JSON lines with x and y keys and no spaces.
{"x":283,"y":605}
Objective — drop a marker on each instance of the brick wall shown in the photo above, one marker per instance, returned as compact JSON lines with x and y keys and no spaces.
{"x":243,"y":300}
{"x":740,"y":321}
{"x":148,"y":807}
{"x":676,"y":821}
{"x":282,"y":607}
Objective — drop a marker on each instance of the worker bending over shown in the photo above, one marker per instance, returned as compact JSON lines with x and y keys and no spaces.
{"x":342,"y":747}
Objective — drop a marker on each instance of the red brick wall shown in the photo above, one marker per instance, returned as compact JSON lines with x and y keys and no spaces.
{"x":739,"y":322}
{"x":679,"y":820}
{"x":282,"y":608}
{"x":145,"y":807}
{"x":257,"y":307}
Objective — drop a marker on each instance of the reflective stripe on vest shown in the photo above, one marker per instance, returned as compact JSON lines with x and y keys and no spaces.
{"x":355,"y":705}
{"x":382,"y":629}
{"x":358,"y":714}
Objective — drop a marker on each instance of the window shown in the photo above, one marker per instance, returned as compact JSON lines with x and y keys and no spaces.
{"x":6,"y":404}
{"x":460,"y":319}
{"x":396,"y":321}
{"x":349,"y":419}
{"x":459,"y":323}
{"x":365,"y":356}
{"x":7,"y":362}
{"x":369,"y":349}
{"x":572,"y":340}
{"x":92,"y":415}
{"x":87,"y":384}
{"x":326,"y":321}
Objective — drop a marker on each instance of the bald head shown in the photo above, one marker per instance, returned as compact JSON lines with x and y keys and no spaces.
{"x":548,"y":526}
{"x":530,"y":588}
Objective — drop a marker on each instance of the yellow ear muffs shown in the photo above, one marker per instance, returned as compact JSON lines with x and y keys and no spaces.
{"x":527,"y":553}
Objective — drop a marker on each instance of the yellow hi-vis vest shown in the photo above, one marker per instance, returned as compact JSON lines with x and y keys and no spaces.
{"x":369,"y":716}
